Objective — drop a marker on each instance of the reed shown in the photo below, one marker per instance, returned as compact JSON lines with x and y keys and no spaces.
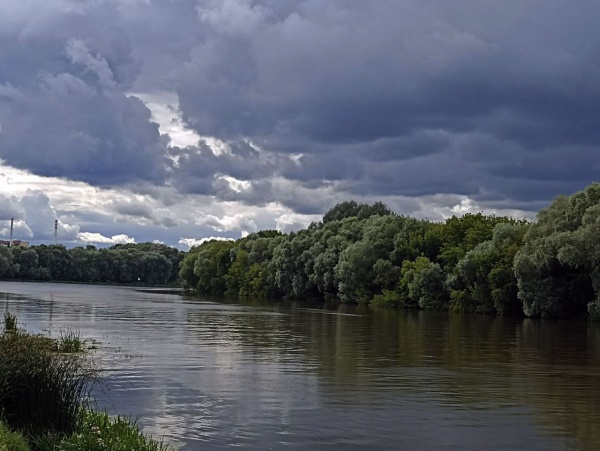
{"x":10,"y":322}
{"x":45,"y":387}
{"x":70,"y":342}
{"x":41,"y":390}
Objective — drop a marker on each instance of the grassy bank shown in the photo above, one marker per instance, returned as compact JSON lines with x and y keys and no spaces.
{"x":45,"y":401}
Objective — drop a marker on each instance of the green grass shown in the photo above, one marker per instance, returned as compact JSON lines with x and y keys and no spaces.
{"x":100,"y":432}
{"x":45,"y":387}
{"x":11,"y":441}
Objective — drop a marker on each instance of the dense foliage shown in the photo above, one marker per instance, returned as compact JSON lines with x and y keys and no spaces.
{"x":472,"y":263}
{"x":146,"y":263}
{"x":558,"y":268}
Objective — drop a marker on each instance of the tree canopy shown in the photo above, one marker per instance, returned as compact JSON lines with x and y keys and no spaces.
{"x":558,"y":267}
{"x":472,"y":263}
{"x":146,"y":263}
{"x":368,"y":254}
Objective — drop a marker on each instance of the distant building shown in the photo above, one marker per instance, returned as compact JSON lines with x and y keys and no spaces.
{"x":14,"y":243}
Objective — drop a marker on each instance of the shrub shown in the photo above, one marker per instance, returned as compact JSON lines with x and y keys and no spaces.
{"x":387,"y":299}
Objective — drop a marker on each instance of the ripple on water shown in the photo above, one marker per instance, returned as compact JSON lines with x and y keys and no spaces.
{"x":210,"y":375}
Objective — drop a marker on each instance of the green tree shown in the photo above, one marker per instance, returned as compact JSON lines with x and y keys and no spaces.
{"x":351,"y":209}
{"x":558,"y":267}
{"x":28,"y":263}
{"x":461,"y":234}
{"x":483,"y":280}
{"x":358,"y":263}
{"x":422,"y":285}
{"x":212,"y":264}
{"x":6,"y":262}
{"x":291,"y":264}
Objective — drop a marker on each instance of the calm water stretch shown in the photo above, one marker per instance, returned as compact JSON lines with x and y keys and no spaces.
{"x":257,"y":375}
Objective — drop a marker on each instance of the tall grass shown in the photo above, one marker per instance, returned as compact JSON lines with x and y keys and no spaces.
{"x":41,"y":390}
{"x":45,"y":387}
{"x":70,"y":342}
{"x":10,"y":322}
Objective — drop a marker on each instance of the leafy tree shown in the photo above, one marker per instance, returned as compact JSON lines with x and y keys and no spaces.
{"x":291,"y":260}
{"x":188,"y":277}
{"x":483,"y":280}
{"x":85,"y":266}
{"x":356,"y":270}
{"x":55,"y":262}
{"x":351,"y":209}
{"x":558,"y":267}
{"x":417,"y":238}
{"x":235,"y":279}
{"x":328,"y":244}
{"x":212,"y":264}
{"x":422,"y":285}
{"x":6,"y":262}
{"x":461,"y":234}
{"x":28,"y":262}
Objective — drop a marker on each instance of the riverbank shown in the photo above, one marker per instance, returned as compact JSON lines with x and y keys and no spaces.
{"x":148,"y":286}
{"x":45,"y":397}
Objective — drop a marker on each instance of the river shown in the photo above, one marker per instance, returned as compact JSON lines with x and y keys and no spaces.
{"x":214,"y":374}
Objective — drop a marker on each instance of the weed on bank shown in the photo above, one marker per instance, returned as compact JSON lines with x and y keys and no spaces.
{"x":45,"y":401}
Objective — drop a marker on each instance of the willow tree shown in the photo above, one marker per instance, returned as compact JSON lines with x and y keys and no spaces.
{"x":483,"y":280}
{"x":558,"y":268}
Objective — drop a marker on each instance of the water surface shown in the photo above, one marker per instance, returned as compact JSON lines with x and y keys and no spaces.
{"x":209,"y":374}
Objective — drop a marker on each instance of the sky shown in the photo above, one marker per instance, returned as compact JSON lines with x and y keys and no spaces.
{"x":180,"y":120}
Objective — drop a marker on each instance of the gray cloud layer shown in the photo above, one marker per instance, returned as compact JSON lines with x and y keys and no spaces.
{"x":498,"y":101}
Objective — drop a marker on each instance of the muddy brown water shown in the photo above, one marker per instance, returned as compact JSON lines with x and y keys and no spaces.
{"x":215,"y":374}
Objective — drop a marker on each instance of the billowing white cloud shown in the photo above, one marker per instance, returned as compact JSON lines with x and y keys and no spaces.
{"x":34,"y":217}
{"x":193,"y":242}
{"x":96,"y":238}
{"x":292,"y":222}
{"x":227,"y":223}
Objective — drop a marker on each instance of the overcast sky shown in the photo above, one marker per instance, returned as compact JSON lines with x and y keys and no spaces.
{"x":178,"y":120}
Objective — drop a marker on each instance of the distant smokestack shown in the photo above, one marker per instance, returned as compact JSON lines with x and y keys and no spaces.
{"x":55,"y":231}
{"x":12,"y":223}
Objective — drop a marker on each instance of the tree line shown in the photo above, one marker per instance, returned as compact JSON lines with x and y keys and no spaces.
{"x":362,"y":253}
{"x":147,"y":263}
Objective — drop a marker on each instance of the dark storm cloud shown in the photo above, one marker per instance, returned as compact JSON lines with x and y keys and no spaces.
{"x":128,"y":210}
{"x":132,"y":208}
{"x":405,"y":97}
{"x":498,"y":101}
{"x":198,"y":168}
{"x":64,"y":108}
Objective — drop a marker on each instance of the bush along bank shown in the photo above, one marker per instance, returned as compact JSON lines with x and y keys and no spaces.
{"x":45,"y":401}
